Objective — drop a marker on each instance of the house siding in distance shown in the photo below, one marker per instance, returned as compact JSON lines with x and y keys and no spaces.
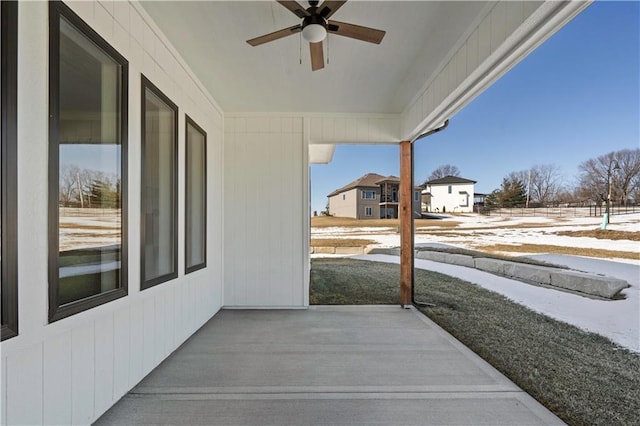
{"x":362,"y":198}
{"x":450,"y":194}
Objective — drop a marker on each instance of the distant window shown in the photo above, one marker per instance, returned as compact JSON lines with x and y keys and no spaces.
{"x":368,"y":211}
{"x":87,"y":167}
{"x":416,"y":196}
{"x":9,"y":243}
{"x":450,"y":189}
{"x":368,"y":195}
{"x":344,"y":196}
{"x":195,"y":197}
{"x":159,"y":219}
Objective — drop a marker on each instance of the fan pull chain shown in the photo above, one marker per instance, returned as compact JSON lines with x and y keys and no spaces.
{"x":327,"y":49}
{"x":300,"y":47}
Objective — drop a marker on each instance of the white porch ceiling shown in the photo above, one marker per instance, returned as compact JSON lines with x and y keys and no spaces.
{"x":360,"y":78}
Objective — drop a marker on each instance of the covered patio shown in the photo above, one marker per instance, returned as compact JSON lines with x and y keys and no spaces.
{"x":326,"y":365}
{"x":261,"y":115}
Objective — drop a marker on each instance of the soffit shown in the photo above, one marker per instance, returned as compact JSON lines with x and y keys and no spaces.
{"x":360,"y":77}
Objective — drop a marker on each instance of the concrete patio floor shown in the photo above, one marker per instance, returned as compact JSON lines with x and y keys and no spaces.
{"x":378,"y":365}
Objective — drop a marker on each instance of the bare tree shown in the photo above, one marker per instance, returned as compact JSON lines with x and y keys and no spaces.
{"x":620,"y":169}
{"x":76,"y":185}
{"x":625,"y":173}
{"x":544,"y":182}
{"x":68,"y":183}
{"x":442,"y":171}
{"x":593,"y":177}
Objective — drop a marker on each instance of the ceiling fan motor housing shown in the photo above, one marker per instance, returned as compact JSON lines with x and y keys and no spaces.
{"x":314,"y":28}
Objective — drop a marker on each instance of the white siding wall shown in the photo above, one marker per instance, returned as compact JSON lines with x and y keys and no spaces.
{"x":452,"y":202}
{"x":354,"y":128}
{"x":71,"y":371}
{"x":266,"y":204}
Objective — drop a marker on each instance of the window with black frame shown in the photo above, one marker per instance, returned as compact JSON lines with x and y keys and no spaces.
{"x":195,"y":197}
{"x":8,"y":177}
{"x":87,"y":167}
{"x":159,"y":215}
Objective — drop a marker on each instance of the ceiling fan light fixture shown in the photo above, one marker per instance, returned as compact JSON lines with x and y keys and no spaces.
{"x":314,"y":33}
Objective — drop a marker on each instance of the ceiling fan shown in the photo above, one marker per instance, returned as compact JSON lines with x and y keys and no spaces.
{"x":315,"y":25}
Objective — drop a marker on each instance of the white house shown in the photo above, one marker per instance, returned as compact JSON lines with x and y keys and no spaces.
{"x":449,"y":194}
{"x":152,"y":159}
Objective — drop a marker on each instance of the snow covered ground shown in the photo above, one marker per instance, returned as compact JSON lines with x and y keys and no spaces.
{"x":476,"y":231}
{"x":619,"y":320}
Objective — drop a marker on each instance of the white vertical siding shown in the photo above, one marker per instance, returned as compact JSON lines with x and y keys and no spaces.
{"x":71,"y":371}
{"x":266,"y":174}
{"x":440,"y":197}
{"x":57,"y":380}
{"x":24,"y":400}
{"x":354,"y":128}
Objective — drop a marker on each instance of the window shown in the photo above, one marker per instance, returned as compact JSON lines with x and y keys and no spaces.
{"x":368,"y":211}
{"x":87,"y":167}
{"x":159,"y":215}
{"x":195,"y":197}
{"x":344,"y":197}
{"x":368,"y":195}
{"x":449,"y":189}
{"x":9,"y":236}
{"x":416,"y":195}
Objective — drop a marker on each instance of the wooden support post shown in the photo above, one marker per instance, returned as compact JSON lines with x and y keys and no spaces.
{"x":406,"y":222}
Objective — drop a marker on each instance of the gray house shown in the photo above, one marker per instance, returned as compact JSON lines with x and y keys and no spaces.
{"x":371,"y":196}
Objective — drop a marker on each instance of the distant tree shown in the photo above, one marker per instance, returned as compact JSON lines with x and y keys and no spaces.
{"x":88,"y":188}
{"x":442,"y":171}
{"x":620,"y":168}
{"x":510,"y":194}
{"x":493,"y":199}
{"x":627,"y":175}
{"x":68,"y":184}
{"x":543,"y":183}
{"x":104,"y":195}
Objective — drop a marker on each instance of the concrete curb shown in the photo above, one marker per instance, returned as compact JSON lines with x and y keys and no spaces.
{"x":582,"y":282}
{"x":338,"y":250}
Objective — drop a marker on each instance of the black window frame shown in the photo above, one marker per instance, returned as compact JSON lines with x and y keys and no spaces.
{"x":57,"y":11}
{"x":191,"y":122}
{"x":145,"y":284}
{"x":9,"y":269}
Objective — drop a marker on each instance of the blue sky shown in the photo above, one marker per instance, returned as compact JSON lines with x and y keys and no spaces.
{"x":574,"y":98}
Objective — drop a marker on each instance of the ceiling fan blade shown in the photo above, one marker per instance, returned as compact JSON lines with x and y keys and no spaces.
{"x":358,"y":32}
{"x":317,"y":56}
{"x":329,"y":7}
{"x":294,"y":7}
{"x":275,"y":35}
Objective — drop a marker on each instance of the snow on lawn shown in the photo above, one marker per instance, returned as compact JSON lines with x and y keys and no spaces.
{"x":474,"y":231}
{"x":618,"y":320}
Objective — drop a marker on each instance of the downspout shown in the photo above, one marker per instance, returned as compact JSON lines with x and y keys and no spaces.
{"x":413,"y":278}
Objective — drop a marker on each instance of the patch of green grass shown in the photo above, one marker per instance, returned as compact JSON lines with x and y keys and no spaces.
{"x":582,"y":377}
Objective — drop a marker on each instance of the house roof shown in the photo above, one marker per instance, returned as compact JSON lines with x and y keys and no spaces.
{"x":392,"y":179}
{"x":370,"y":180}
{"x":449,"y":180}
